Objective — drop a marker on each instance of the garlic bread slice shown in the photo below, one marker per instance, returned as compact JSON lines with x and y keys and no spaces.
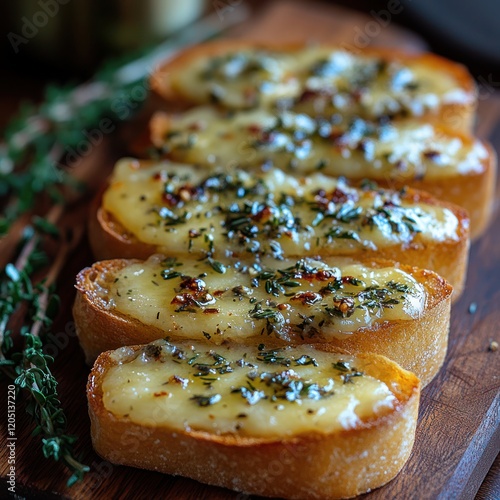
{"x":398,"y":311}
{"x":295,"y":422}
{"x":373,"y":83}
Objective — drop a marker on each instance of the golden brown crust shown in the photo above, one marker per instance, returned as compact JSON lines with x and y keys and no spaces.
{"x":109,"y":239}
{"x":337,"y":465}
{"x":418,"y":345}
{"x":458,"y":117}
{"x":449,"y":259}
{"x":99,"y":328}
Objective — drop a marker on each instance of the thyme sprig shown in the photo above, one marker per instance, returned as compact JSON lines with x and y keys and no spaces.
{"x":37,"y":144}
{"x":29,"y":367}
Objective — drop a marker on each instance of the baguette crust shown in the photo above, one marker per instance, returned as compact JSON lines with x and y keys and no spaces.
{"x":418,"y":345}
{"x":456,"y":116}
{"x":110,"y":240}
{"x":341,"y":464}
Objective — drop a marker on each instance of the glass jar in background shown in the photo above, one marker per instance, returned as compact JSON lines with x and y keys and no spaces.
{"x":74,"y":36}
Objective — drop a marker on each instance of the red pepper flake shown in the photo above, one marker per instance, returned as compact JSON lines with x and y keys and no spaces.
{"x":160,"y":176}
{"x":184,"y":300}
{"x":283,"y":307}
{"x":172,"y":200}
{"x":263,"y":215}
{"x":335,"y":196}
{"x":321,"y":275}
{"x":308,"y":95}
{"x":345,"y":306}
{"x":161,"y":393}
{"x":178,"y":380}
{"x":268,"y":137}
{"x":349,"y":280}
{"x":432,"y":155}
{"x":194,"y":284}
{"x":324,"y":274}
{"x":401,"y":166}
{"x":189,"y":192}
{"x":211,"y":310}
{"x":195,"y":126}
{"x":254,"y":129}
{"x":336,"y":136}
{"x":307,"y":298}
{"x":357,"y":94}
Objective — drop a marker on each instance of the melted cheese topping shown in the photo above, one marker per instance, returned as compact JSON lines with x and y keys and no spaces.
{"x":241,"y":79}
{"x":296,"y":142}
{"x":244,"y":391}
{"x":320,"y":80}
{"x":182,"y":210}
{"x":372,"y":87}
{"x":219,"y":300}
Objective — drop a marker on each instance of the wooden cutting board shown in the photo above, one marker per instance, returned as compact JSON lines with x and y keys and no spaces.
{"x":458,"y":433}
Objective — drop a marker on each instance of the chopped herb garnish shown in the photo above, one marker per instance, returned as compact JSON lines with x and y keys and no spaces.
{"x":341,"y":365}
{"x":306,"y":360}
{"x":206,"y":400}
{"x":168,"y":274}
{"x":274,"y":356}
{"x":217,"y":266}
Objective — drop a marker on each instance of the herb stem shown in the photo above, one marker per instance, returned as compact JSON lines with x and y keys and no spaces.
{"x":53,"y":216}
{"x":67,"y":247}
{"x":10,"y":241}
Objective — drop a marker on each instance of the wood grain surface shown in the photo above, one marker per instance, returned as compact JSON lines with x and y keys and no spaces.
{"x":458,"y":433}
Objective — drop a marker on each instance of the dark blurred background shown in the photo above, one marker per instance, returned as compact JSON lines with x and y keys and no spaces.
{"x":66,"y":40}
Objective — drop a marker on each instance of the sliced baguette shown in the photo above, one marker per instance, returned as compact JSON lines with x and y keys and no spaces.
{"x":397,"y":311}
{"x":373,"y":83}
{"x":117,"y":220}
{"x":265,"y":428}
{"x":450,"y":166}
